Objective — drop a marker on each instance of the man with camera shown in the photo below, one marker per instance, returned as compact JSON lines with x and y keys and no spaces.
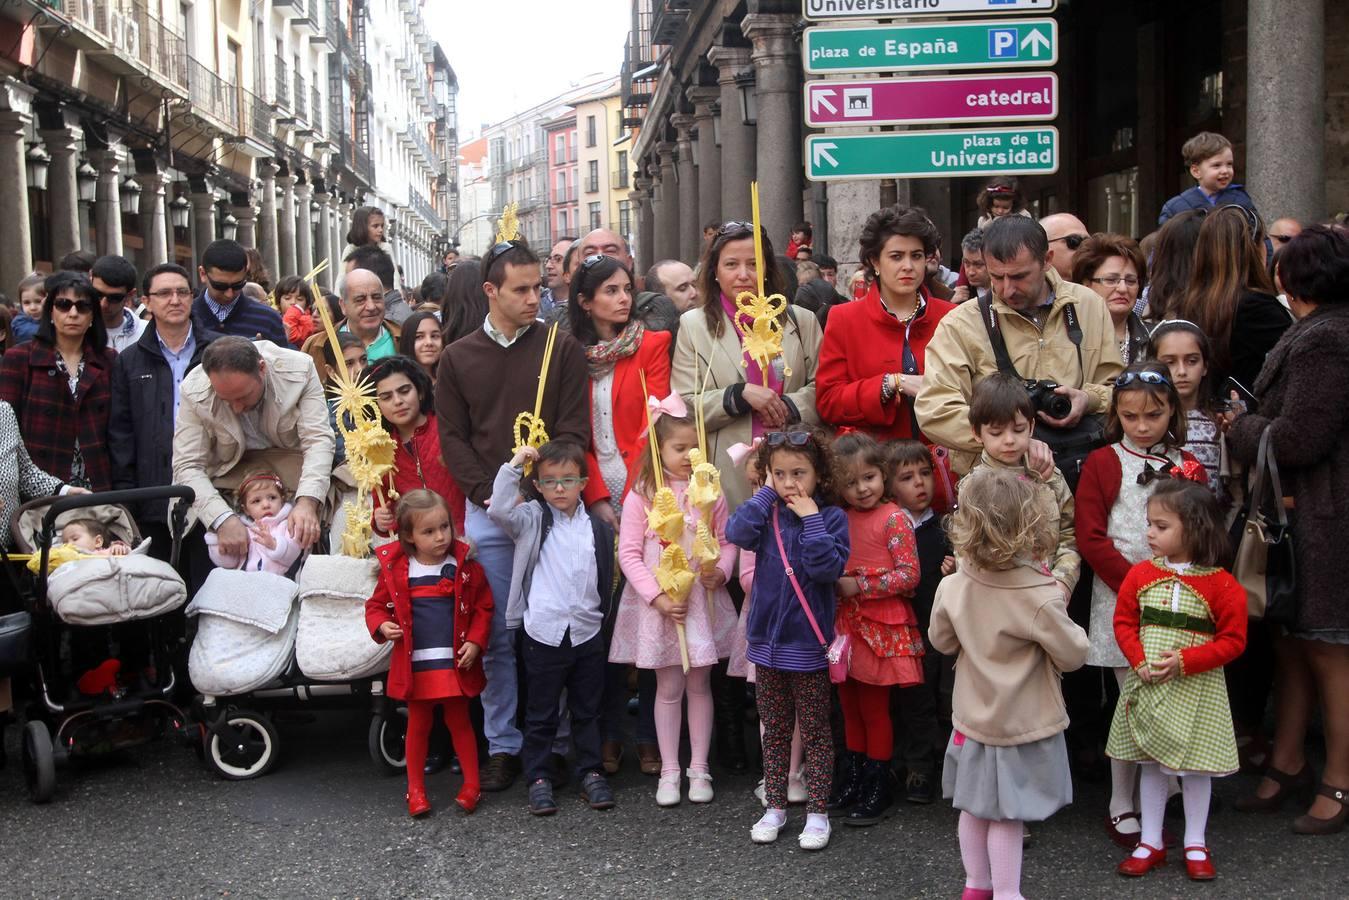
{"x":1054,"y":335}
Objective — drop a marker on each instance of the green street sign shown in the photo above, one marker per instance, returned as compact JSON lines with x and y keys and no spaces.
{"x":1007,"y":44}
{"x":1031,"y":150}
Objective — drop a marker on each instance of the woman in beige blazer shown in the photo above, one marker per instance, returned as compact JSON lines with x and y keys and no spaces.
{"x":740,"y":402}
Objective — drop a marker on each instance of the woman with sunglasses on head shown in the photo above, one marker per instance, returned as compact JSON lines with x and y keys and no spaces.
{"x":1231,"y":296}
{"x":742,"y":401}
{"x":58,"y":384}
{"x":1113,"y":267}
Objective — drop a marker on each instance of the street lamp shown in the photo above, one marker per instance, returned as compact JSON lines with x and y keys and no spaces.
{"x":36,"y":161}
{"x":229,"y":227}
{"x":86,"y":178}
{"x":749,"y":103}
{"x":313,"y":213}
{"x":179,"y":212}
{"x":131,"y":196}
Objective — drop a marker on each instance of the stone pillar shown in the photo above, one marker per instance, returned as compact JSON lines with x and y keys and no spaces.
{"x":337,"y":221}
{"x":706,"y":112}
{"x":108,"y":205}
{"x":777,"y":64}
{"x":1285,"y":108}
{"x":16,"y":247}
{"x":63,"y":189}
{"x":203,"y":215}
{"x":323,"y":248}
{"x":285,"y":227}
{"x":154,"y":184}
{"x":268,"y":244}
{"x":304,"y":244}
{"x":640,"y":197}
{"x":246,"y":214}
{"x":667,"y":215}
{"x":690,"y":227}
{"x":738,"y":140}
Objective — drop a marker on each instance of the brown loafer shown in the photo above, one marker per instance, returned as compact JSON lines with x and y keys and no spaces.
{"x":611,"y":755}
{"x":649,"y":757}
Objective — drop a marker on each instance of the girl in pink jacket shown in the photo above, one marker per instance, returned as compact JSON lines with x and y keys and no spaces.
{"x":263,"y":507}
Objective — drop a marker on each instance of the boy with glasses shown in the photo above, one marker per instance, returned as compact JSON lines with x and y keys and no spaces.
{"x":221,"y":305}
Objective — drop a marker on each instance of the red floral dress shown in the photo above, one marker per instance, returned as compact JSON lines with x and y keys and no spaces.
{"x":887,"y":647}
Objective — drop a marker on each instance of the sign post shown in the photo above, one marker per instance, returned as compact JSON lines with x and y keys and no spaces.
{"x":1008,"y":44}
{"x":1030,"y":150}
{"x":933,"y":100}
{"x":910,"y":9}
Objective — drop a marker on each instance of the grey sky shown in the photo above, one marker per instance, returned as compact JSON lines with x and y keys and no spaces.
{"x":512,"y":54}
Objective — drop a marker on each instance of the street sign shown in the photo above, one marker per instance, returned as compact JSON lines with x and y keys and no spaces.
{"x":1007,"y":44}
{"x":907,"y":9}
{"x":1025,"y":97}
{"x":1032,"y":150}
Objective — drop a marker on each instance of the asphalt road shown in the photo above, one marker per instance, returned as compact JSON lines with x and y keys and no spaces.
{"x":153,"y":823}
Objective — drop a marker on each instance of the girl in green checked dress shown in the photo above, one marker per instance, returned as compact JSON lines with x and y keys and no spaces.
{"x":1179,"y":619}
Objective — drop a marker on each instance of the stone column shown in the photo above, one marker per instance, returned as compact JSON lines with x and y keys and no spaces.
{"x":777,"y":64}
{"x":304,"y":244}
{"x":323,"y":249}
{"x":641,"y":208}
{"x":738,"y":140}
{"x":268,"y":244}
{"x":667,"y":216}
{"x":154,"y":184}
{"x":285,"y":227}
{"x":16,"y":247}
{"x":203,"y":216}
{"x":1285,"y":108}
{"x":63,"y":189}
{"x":108,"y":204}
{"x":246,"y":214}
{"x":706,"y":112}
{"x":337,"y":238}
{"x":690,"y":228}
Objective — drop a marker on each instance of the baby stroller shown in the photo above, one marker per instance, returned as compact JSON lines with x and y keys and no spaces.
{"x":133,"y":594}
{"x":265,"y":645}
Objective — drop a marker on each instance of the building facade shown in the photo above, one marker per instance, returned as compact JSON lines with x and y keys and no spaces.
{"x":560,"y":139}
{"x":474,"y":188}
{"x":149,"y":128}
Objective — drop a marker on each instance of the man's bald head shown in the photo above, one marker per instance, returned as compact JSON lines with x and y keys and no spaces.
{"x":1066,"y":233}
{"x":604,"y":241}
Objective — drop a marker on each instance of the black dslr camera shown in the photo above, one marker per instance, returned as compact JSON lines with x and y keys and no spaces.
{"x":1055,"y":406}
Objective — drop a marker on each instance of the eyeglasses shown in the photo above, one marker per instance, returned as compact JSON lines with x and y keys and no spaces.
{"x":1145,"y":377}
{"x":65,"y":304}
{"x":113,"y":299}
{"x":794,"y":438}
{"x":226,"y":287}
{"x":1071,"y":241}
{"x":1114,"y":280}
{"x":567,"y":483}
{"x":170,"y":293}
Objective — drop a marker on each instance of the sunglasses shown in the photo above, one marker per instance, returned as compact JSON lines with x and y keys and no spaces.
{"x":112,"y":299}
{"x":591,"y":261}
{"x":65,"y":304}
{"x":497,"y":251}
{"x":1071,"y":241}
{"x":1153,"y":378}
{"x":567,"y":483}
{"x":793,"y":438}
{"x":735,"y":227}
{"x":227,"y":286}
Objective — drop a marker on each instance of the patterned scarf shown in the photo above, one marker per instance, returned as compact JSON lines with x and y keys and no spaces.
{"x":604,"y":354}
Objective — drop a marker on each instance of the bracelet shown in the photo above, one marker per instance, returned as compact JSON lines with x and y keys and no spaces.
{"x":887,"y":389}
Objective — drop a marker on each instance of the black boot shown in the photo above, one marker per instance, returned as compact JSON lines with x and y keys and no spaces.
{"x":728,"y":710}
{"x":877,"y":797}
{"x":847,"y":783}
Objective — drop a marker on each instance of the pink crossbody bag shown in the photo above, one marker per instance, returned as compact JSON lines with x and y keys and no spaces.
{"x":841,"y":649}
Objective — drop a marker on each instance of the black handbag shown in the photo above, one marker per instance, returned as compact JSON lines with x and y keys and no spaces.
{"x":1265,"y":564}
{"x":15,"y":629}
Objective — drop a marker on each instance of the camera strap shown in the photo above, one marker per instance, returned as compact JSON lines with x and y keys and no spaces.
{"x":1004,"y":359}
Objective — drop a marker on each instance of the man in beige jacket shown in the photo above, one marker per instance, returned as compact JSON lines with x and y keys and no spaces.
{"x":1032,"y":305}
{"x":247,"y":396}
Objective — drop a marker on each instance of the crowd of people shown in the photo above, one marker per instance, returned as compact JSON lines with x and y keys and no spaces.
{"x":1029,"y":464}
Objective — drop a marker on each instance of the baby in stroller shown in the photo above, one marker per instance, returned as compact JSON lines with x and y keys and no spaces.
{"x":264,"y":509}
{"x":81,"y":539}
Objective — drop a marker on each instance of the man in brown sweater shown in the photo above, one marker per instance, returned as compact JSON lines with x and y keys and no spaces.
{"x":483,"y":382}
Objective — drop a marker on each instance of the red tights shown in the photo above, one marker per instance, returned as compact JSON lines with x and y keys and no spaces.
{"x":420,"y":713}
{"x":866,"y":719}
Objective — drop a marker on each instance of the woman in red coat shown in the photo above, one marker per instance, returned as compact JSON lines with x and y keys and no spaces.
{"x":871,"y":361}
{"x":435,"y":604}
{"x":403,"y":391}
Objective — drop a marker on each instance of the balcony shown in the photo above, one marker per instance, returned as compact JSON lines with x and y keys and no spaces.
{"x":562,"y":198}
{"x":593,"y":185}
{"x":254,"y":135}
{"x":281,"y":89}
{"x":212,"y":96}
{"x":618,"y":178}
{"x":421,"y":207}
{"x":669,"y":19}
{"x":330,"y":30}
{"x":419,"y":143}
{"x":300,"y":95}
{"x":360,"y":164}
{"x":307,"y":19}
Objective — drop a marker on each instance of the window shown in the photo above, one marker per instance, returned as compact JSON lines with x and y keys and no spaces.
{"x":595,"y":216}
{"x":560,"y":190}
{"x":592,"y":176}
{"x":591,"y":140}
{"x":560,"y":149}
{"x":625,"y":219}
{"x":621,"y":174}
{"x":561,"y":221}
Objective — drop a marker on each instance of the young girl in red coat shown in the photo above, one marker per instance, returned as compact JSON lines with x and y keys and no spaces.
{"x":876,"y":613}
{"x":1179,"y":619}
{"x":434,"y":603}
{"x":1147,"y":426}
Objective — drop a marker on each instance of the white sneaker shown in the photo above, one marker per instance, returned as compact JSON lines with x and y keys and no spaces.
{"x":765,"y":831}
{"x":760,"y":795}
{"x":814,"y":837}
{"x":667,"y":791}
{"x":700,"y":787}
{"x":796,"y":787}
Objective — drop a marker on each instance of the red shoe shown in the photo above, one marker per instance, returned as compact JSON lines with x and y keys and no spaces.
{"x":1134,"y":866}
{"x":1199,"y":869}
{"x":977,"y":894}
{"x":418,"y":805}
{"x":468,"y":799}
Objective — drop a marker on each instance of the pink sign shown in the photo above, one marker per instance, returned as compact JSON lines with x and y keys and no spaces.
{"x":932,"y":100}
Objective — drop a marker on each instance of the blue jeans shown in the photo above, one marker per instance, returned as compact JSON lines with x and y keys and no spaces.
{"x":496,"y":551}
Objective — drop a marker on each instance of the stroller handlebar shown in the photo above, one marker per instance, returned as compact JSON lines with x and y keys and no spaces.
{"x":116,"y":498}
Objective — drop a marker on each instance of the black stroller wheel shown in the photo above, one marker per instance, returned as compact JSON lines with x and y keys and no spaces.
{"x":244,"y":746}
{"x":39,"y":762}
{"x":387,"y":737}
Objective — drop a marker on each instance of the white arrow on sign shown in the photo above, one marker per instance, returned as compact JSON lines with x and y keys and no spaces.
{"x":1035,"y":40}
{"x":822,"y":98}
{"x":821,"y":150}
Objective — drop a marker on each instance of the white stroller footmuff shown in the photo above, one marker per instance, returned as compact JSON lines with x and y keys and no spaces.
{"x":246,"y":624}
{"x":333,"y":643}
{"x":103,"y":590}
